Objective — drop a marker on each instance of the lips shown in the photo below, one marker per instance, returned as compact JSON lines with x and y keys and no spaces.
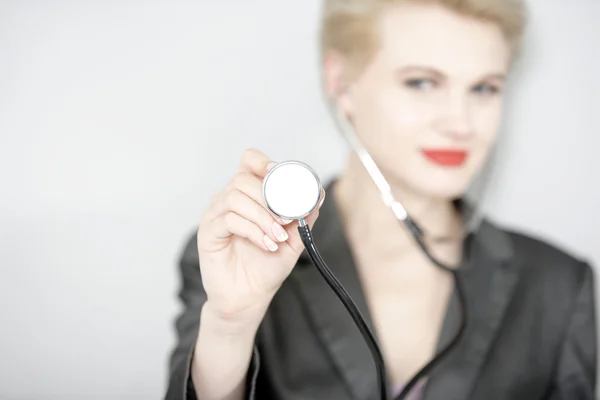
{"x":446,"y":157}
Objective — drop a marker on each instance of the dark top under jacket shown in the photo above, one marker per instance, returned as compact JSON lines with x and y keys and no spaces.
{"x":531,"y":331}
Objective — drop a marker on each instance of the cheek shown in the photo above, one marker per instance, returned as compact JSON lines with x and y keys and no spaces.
{"x":406,"y":111}
{"x":392,"y":116}
{"x":486,"y":125}
{"x":486,"y":121}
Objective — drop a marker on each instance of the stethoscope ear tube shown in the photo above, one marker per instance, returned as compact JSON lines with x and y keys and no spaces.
{"x":400,"y":212}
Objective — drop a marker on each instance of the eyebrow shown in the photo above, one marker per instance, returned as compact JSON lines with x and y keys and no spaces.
{"x":433,"y":71}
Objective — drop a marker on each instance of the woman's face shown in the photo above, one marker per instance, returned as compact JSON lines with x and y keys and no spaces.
{"x":428,"y":105}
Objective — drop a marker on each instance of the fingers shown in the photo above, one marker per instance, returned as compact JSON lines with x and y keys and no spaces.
{"x":255,"y":162}
{"x":237,"y":202}
{"x":234,"y":224}
{"x":312,"y":217}
{"x":239,"y":210}
{"x":251,"y":186}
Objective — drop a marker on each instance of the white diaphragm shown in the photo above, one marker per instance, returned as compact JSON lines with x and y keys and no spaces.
{"x":291,"y":190}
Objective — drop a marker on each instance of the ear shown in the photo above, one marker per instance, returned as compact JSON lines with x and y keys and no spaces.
{"x":337,"y":85}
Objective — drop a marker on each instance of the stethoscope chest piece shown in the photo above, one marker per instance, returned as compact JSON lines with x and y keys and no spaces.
{"x":291,"y":190}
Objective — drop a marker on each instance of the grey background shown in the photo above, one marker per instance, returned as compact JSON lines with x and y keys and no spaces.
{"x":118,"y":121}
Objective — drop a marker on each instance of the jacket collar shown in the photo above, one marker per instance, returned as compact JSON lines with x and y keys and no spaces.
{"x":489,"y":277}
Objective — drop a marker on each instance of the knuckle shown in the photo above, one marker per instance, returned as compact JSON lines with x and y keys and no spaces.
{"x":230,"y":198}
{"x":203,"y":218}
{"x":257,"y":234}
{"x":229,"y":219}
{"x":229,"y":187}
{"x":249,"y":154}
{"x":213,"y":199}
{"x":266,"y":227}
{"x":208,"y":212}
{"x":239,"y":180}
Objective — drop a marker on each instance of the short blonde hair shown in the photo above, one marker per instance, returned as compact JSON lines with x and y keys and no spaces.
{"x":348,"y":25}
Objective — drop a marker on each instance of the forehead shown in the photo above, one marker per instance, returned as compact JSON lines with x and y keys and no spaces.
{"x":429,"y":34}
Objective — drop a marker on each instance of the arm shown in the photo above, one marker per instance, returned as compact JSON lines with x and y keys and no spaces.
{"x":213,"y":359}
{"x":246,"y":253}
{"x":576,"y":371}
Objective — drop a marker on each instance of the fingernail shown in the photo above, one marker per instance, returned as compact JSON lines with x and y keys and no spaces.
{"x":271,"y":165}
{"x":322,"y":200}
{"x":279,"y":232}
{"x":286,"y":221}
{"x":271,"y":245}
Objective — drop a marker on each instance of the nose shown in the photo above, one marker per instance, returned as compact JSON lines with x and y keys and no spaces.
{"x":454,"y":118}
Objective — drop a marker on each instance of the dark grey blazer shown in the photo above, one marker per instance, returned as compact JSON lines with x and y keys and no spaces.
{"x":531,"y":332}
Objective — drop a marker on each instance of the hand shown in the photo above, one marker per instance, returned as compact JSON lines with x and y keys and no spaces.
{"x":245,"y":251}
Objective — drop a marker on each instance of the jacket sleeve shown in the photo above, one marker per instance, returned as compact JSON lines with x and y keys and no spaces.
{"x":577,"y":367}
{"x":192,"y":296}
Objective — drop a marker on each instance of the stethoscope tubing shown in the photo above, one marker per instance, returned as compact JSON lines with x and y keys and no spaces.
{"x":417,"y":233}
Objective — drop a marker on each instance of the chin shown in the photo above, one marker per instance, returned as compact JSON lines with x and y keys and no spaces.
{"x":446,"y":189}
{"x":432,"y":181}
{"x":444,"y":183}
{"x":445,"y":192}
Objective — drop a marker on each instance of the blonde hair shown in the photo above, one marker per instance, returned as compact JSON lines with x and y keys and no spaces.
{"x":348,"y":25}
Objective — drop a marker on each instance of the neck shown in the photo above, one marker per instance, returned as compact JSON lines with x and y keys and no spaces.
{"x":367,"y":218}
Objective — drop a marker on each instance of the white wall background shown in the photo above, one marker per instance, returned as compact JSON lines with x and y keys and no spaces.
{"x":118,"y":120}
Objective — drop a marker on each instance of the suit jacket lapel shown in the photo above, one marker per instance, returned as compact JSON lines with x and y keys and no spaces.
{"x":347,"y":349}
{"x":490,"y":276}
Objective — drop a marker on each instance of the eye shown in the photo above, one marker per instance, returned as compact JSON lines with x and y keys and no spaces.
{"x":486,"y":89}
{"x":420,"y":84}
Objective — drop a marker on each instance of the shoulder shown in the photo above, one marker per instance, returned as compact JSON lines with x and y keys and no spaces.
{"x":547,"y":262}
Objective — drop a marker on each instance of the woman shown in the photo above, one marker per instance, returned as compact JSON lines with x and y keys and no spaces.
{"x":421,"y":82}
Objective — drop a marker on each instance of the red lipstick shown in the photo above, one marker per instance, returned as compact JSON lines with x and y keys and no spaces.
{"x":446,"y":157}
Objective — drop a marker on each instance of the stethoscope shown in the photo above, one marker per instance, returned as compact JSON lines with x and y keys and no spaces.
{"x":292,"y":190}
